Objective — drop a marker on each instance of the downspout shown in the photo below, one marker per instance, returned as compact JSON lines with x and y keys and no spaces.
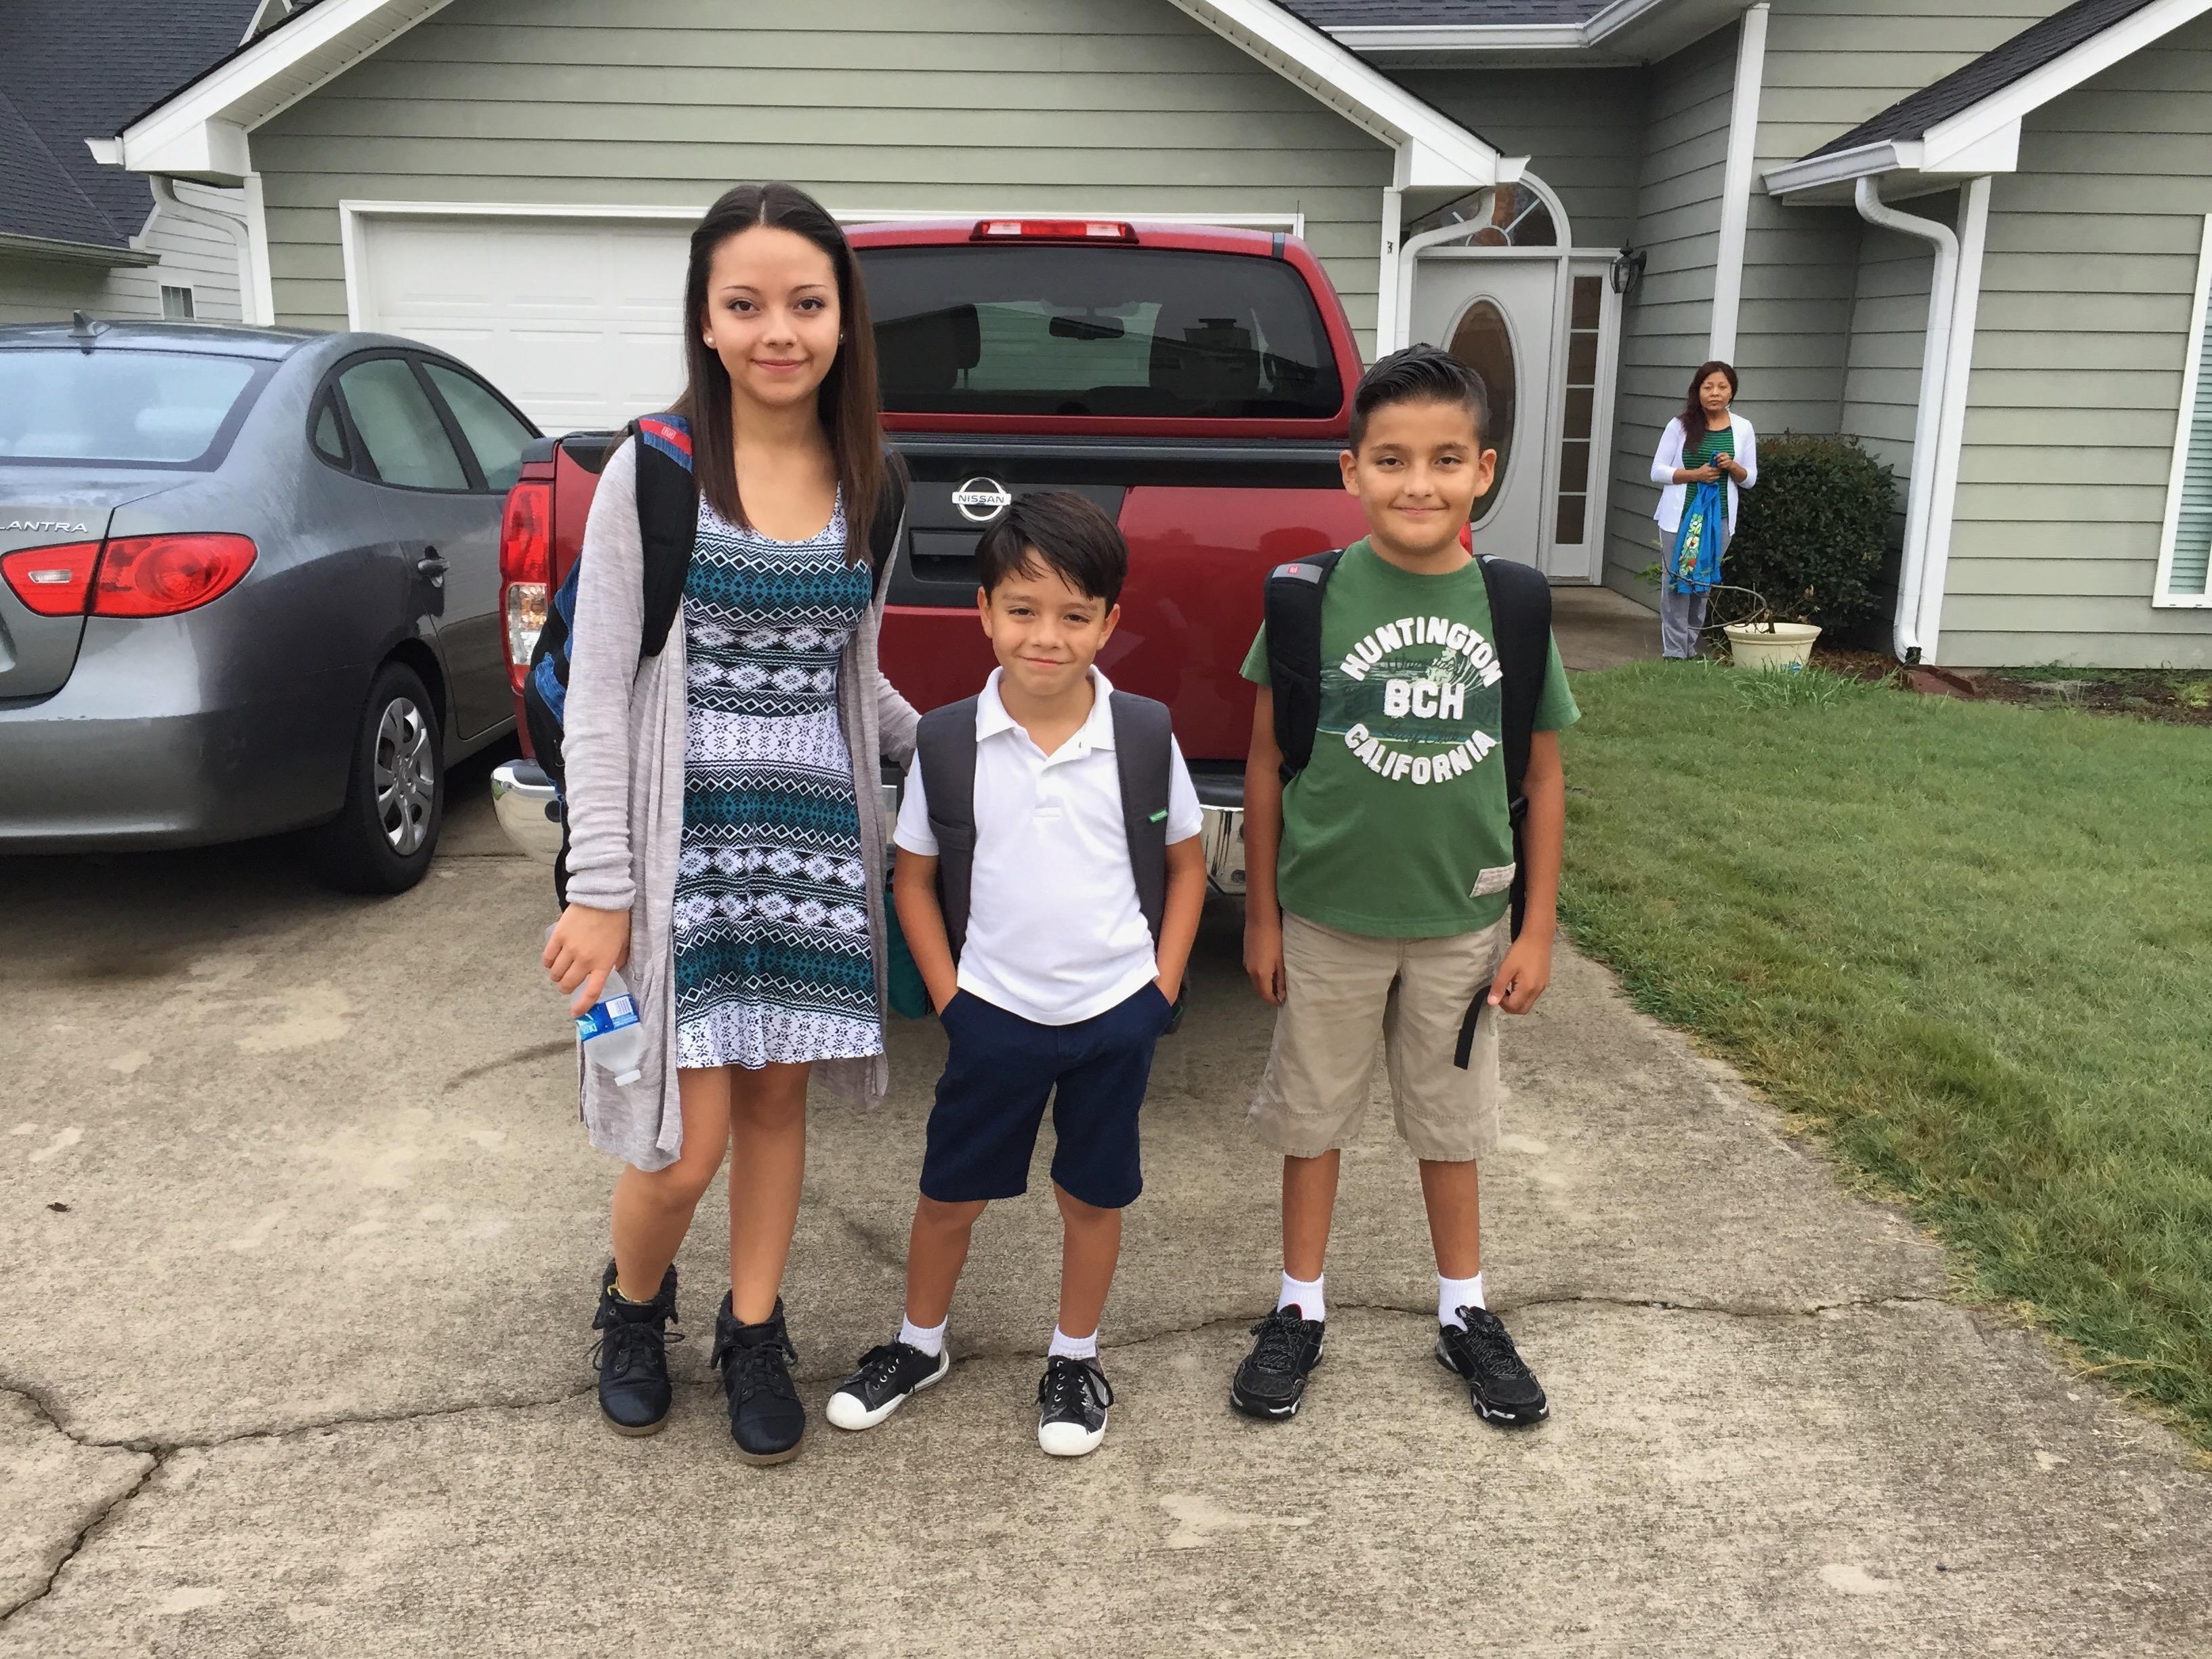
{"x":166,"y":198}
{"x":1935,"y":364}
{"x":1735,"y":184}
{"x":1386,"y":292}
{"x":1951,"y":438}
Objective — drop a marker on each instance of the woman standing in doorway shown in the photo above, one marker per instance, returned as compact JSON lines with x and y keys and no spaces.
{"x":1705,"y":455}
{"x":718,"y":847}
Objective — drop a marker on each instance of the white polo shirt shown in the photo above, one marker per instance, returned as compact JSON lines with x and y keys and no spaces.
{"x":1055,"y":933}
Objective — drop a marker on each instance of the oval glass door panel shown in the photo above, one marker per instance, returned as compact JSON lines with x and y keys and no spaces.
{"x":1485,"y":343}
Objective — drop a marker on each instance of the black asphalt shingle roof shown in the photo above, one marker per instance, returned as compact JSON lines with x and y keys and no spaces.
{"x":1991,"y":73}
{"x":74,"y":69}
{"x":1447,"y":13}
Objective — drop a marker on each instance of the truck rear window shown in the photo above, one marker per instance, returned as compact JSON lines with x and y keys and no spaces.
{"x":990,"y":328}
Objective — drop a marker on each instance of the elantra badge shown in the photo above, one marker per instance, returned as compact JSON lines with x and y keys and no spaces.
{"x":981,"y":499}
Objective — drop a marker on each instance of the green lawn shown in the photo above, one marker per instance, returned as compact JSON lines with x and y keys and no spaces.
{"x":1972,"y":942}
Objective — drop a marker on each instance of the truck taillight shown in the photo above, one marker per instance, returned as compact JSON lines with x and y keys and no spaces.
{"x":51,"y":581}
{"x":129,"y":576}
{"x":1052,"y":230}
{"x":526,"y":571}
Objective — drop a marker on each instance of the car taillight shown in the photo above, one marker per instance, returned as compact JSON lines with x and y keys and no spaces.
{"x":51,"y":581}
{"x":526,"y":571}
{"x":161,"y":576}
{"x":1052,"y":230}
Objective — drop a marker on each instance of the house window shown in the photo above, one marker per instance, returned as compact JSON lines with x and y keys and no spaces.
{"x":1505,"y":215}
{"x":2185,"y":554}
{"x":176,"y":304}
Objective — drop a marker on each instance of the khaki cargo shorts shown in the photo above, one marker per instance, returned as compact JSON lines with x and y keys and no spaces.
{"x":1345,"y":991}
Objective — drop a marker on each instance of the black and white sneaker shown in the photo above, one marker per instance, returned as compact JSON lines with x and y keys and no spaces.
{"x":1504,"y":1389}
{"x":1272,"y":1380}
{"x":1072,"y":1402}
{"x":889,"y":1375}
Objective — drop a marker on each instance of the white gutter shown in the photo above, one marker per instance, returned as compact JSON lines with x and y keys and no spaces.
{"x":1735,"y":183}
{"x":1934,"y":362}
{"x":1844,"y":167}
{"x":1386,"y":293}
{"x":1497,"y":37}
{"x":1951,"y":435}
{"x":167,"y":201}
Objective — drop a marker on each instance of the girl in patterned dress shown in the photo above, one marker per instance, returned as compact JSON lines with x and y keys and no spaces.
{"x":763,"y":905}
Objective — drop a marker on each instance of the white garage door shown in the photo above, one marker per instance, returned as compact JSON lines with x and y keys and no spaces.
{"x":577,"y":321}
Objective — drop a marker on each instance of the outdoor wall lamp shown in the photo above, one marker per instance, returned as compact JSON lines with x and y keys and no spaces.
{"x":1628,"y":269}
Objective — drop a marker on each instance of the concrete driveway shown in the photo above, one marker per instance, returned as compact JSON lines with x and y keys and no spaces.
{"x":301,"y":1236}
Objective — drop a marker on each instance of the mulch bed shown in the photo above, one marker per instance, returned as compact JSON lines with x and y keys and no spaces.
{"x":2177,"y":698}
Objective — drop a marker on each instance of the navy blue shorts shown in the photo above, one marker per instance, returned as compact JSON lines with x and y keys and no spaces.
{"x":999,"y":1071}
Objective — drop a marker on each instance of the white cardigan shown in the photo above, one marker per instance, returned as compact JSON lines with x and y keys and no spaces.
{"x":1669,"y":459}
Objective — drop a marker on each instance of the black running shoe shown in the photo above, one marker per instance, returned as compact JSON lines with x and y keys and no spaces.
{"x":1071,"y":1401}
{"x":766,"y":1418}
{"x":888,"y":1376}
{"x":1272,"y":1380}
{"x":632,"y":1356}
{"x":1504,"y":1389}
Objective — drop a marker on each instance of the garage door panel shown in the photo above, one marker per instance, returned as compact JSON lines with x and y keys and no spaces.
{"x":579,"y":323}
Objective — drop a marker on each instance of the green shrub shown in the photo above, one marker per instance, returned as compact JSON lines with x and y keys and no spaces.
{"x":1813,"y":535}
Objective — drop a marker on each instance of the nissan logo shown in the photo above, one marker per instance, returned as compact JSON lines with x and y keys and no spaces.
{"x":981,"y":499}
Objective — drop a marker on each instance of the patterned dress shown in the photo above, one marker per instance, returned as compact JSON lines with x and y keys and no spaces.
{"x":774,"y":961}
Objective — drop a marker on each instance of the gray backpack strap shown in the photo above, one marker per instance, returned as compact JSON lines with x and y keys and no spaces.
{"x":1144,"y":754}
{"x":945,"y":749}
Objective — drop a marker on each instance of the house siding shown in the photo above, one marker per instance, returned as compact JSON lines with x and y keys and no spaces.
{"x":2088,"y":285}
{"x":1666,"y":323}
{"x":1582,"y":130}
{"x":205,"y":260}
{"x":993,"y":104}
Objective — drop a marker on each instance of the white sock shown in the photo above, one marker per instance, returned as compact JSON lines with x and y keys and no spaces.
{"x":1453,"y":1294}
{"x":1311,"y":1304}
{"x":1072,"y":1347}
{"x":930,"y":1340}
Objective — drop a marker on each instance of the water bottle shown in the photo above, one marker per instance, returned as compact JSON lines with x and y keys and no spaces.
{"x":609,"y":1029}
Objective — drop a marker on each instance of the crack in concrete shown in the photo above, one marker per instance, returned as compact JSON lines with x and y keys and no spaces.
{"x":45,"y":1409}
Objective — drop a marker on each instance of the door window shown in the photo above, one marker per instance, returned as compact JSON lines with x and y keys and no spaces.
{"x":1484,"y":342}
{"x":495,"y":431}
{"x":399,"y":427}
{"x":1572,"y":527}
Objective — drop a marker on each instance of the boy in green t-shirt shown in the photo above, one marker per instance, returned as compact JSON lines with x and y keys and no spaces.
{"x":1377,"y":880}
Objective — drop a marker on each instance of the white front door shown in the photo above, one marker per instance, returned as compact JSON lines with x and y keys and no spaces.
{"x":1498,"y":314}
{"x":579,"y":322}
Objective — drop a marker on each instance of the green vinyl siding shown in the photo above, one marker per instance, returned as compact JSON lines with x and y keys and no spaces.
{"x":2089,"y":285}
{"x":1665,"y":325}
{"x":961,"y":106}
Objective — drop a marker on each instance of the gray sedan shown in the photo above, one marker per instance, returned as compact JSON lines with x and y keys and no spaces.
{"x":249,"y":582}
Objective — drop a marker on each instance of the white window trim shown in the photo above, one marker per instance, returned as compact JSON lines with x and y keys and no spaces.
{"x":162,"y":288}
{"x":2183,"y":423}
{"x":350,"y":212}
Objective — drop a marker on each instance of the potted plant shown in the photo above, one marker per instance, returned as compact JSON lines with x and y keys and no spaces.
{"x":1808,"y":551}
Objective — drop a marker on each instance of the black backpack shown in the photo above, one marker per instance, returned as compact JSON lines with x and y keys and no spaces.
{"x":1521,"y":619}
{"x":1144,"y":755}
{"x":668,"y":523}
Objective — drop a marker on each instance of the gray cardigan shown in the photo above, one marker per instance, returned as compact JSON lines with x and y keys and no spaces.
{"x":623,"y":749}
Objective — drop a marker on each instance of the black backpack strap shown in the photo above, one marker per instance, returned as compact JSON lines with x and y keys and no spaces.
{"x":1144,"y":755}
{"x":890,"y":517}
{"x":945,"y":749}
{"x":667,"y":521}
{"x":1292,"y":605}
{"x":1521,"y":626}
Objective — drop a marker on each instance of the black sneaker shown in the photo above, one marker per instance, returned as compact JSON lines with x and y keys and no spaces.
{"x":1272,"y":1380}
{"x":1504,"y":1389}
{"x":888,"y":1376}
{"x":1071,"y":1401}
{"x":632,"y":1357}
{"x":766,"y":1418}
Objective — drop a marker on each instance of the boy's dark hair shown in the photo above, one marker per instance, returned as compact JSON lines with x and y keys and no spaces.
{"x":1420,"y":375}
{"x":1064,"y":533}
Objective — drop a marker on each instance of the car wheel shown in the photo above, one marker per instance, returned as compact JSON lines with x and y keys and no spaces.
{"x":382,"y":838}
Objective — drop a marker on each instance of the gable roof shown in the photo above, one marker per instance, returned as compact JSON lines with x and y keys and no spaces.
{"x":1967,"y":124}
{"x":1992,"y":72}
{"x":70,"y":70}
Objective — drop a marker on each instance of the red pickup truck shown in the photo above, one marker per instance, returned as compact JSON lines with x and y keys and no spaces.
{"x":1195,"y":381}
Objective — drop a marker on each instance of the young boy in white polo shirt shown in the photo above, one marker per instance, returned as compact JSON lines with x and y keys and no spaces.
{"x":1052,"y":924}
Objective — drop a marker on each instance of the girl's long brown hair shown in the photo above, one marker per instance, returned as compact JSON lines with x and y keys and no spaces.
{"x":1693,"y":412}
{"x":846,"y":402}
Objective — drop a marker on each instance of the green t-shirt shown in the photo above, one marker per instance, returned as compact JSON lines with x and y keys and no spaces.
{"x":1398,"y":829}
